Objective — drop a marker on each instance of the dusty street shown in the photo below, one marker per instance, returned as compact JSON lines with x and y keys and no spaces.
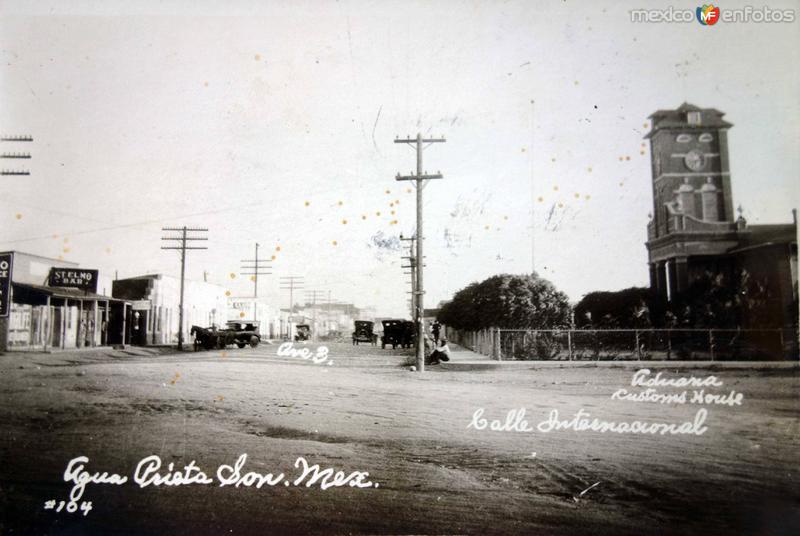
{"x":431,"y":471}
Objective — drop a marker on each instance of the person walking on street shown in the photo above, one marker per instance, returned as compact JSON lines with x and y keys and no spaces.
{"x":436,"y":328}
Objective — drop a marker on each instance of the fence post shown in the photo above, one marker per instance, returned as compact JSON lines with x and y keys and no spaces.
{"x":569,"y":343}
{"x":711,"y":343}
{"x":669,"y":345}
{"x":638,"y":347}
{"x":513,"y":337}
{"x":498,"y":345}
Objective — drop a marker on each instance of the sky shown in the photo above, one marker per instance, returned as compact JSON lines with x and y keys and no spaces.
{"x":274,"y":122}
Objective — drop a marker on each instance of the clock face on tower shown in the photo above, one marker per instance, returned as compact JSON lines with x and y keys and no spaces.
{"x":694,"y":160}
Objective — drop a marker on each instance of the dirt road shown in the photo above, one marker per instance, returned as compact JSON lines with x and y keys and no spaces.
{"x":430,"y":470}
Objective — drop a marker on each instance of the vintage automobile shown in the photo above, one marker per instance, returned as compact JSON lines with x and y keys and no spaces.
{"x":241,"y":334}
{"x":363,"y":332}
{"x":302,"y":332}
{"x":393,"y":333}
{"x":409,"y":333}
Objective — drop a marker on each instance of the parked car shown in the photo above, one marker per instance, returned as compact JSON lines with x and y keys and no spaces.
{"x":237,"y":333}
{"x":393,"y":333}
{"x":409,"y":333}
{"x":302,"y":332}
{"x":242,"y":334}
{"x":363,"y":332}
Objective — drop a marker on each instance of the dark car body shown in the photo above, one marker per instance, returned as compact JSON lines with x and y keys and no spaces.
{"x":241,"y":334}
{"x":393,"y":333}
{"x":409,"y":333}
{"x":302,"y":333}
{"x":362,"y":332}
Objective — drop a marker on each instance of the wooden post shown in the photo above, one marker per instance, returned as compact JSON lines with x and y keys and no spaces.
{"x":638,"y":348}
{"x":49,"y":325}
{"x":669,"y":345}
{"x":124,"y":322}
{"x":569,"y":343}
{"x":78,"y":343}
{"x":711,"y":343}
{"x":94,"y":316}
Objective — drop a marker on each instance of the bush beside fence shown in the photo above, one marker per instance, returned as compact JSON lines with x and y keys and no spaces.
{"x":630,"y":344}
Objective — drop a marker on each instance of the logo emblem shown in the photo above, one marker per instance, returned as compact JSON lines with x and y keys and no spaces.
{"x":707,"y":15}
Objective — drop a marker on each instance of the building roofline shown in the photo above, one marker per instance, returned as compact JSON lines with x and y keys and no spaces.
{"x":42,"y":257}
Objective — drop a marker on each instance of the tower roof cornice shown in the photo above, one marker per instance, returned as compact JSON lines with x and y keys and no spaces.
{"x":679,"y":118}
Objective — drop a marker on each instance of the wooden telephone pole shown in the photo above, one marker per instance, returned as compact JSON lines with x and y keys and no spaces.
{"x":419,"y":180}
{"x":183,"y":239}
{"x":412,"y":265}
{"x":253,"y":268}
{"x":291,"y":283}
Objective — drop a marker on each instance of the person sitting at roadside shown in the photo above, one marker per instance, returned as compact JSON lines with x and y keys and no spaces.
{"x":441,"y":353}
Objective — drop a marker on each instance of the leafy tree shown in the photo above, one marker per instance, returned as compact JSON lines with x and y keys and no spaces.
{"x":634,"y":307}
{"x":509,"y":302}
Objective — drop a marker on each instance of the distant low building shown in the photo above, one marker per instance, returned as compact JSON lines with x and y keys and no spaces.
{"x":261,"y":310}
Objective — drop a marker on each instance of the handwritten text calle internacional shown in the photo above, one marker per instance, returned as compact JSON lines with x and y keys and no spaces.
{"x":582,"y":421}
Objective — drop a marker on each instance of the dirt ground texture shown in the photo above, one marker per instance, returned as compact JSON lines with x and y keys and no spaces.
{"x":410,"y":431}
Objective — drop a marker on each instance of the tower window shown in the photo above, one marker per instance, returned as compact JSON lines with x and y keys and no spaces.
{"x":683,"y":138}
{"x":705,"y":137}
{"x":693,"y":118}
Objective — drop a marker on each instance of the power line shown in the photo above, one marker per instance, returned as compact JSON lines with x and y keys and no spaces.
{"x":256,"y":267}
{"x":183,"y":239}
{"x":419,"y":178}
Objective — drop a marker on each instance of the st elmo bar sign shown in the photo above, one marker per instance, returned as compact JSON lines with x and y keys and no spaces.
{"x":75,"y":278}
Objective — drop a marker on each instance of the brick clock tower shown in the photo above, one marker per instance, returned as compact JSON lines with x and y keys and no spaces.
{"x":692,"y":225}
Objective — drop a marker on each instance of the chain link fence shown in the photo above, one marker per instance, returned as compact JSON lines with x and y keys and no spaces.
{"x":631,"y":344}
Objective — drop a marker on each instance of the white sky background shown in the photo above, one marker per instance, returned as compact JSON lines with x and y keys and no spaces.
{"x":233,"y":117}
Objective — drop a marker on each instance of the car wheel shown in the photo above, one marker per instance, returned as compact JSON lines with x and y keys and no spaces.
{"x":241,"y":344}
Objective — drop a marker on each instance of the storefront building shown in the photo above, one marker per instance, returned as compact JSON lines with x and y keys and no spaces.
{"x":155,"y":305}
{"x":48,"y":304}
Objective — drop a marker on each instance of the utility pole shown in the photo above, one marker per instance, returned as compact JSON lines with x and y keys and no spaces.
{"x":15,"y":155}
{"x":533,"y":190}
{"x":183,"y":239}
{"x":291,"y":283}
{"x":312,"y":295}
{"x":255,"y":267}
{"x":419,"y":180}
{"x":413,"y":266}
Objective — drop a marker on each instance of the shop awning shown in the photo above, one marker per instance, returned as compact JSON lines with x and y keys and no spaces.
{"x":60,"y":292}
